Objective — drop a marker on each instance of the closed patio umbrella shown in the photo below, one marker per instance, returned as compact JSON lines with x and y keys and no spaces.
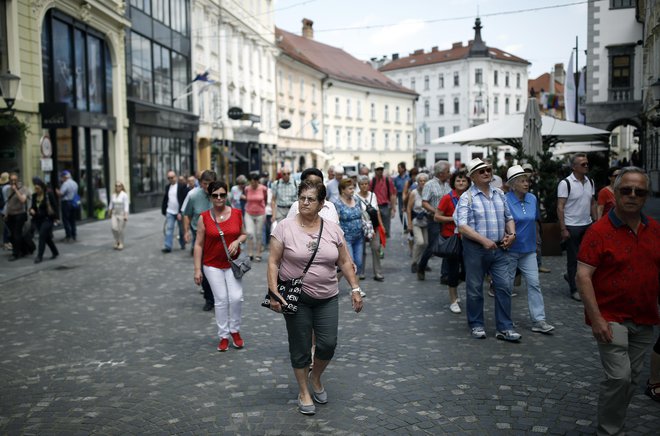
{"x":532,"y":142}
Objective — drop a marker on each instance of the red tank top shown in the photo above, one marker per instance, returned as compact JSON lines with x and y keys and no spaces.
{"x":214,"y":252}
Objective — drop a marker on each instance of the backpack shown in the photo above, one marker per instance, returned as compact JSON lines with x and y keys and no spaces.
{"x":568,"y":185}
{"x":387,"y":183}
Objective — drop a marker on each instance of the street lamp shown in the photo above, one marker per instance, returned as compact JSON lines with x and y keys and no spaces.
{"x":9,"y":88}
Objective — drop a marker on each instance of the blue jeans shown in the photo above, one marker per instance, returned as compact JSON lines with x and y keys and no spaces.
{"x":355,"y":247}
{"x":169,"y":231}
{"x":433,"y":232}
{"x":526,"y":263}
{"x":478,"y":262}
{"x":69,"y":219}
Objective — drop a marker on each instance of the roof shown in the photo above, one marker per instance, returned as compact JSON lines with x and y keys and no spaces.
{"x":457,"y":52}
{"x":543,"y":83}
{"x":335,"y":62}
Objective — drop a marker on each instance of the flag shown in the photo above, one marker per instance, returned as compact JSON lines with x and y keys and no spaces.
{"x":581,"y":92}
{"x":569,"y":91}
{"x":203,"y":77}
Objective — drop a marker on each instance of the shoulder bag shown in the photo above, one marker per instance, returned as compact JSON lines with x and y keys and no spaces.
{"x":291,"y":289}
{"x":451,"y":247}
{"x":240,"y":265}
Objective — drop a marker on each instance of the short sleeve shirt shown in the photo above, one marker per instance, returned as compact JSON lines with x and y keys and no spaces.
{"x":380,"y":188}
{"x":577,"y":211}
{"x":198,"y":202}
{"x":400,"y":182}
{"x":285,"y":193}
{"x":256,"y":200}
{"x":447,"y":206}
{"x":606,"y":199}
{"x":525,"y":216}
{"x":321,"y":278}
{"x":487,"y":215}
{"x":627,"y":265}
{"x":434,"y":190}
{"x":350,"y":219}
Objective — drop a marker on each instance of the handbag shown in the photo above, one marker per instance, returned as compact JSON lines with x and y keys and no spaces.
{"x":367,"y":226}
{"x":240,"y":265}
{"x":449,"y":248}
{"x":372,"y":211}
{"x":291,"y":289}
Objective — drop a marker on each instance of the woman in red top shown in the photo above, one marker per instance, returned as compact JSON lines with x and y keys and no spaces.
{"x":255,"y":215}
{"x":209,"y":252}
{"x":606,"y":195}
{"x":459,"y":183}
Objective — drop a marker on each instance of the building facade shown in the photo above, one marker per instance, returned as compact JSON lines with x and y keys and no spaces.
{"x":648,"y":13}
{"x":614,"y":65}
{"x":462,"y":87}
{"x":234,"y":48}
{"x":366,"y":117}
{"x":548,"y":89}
{"x":71,"y":97}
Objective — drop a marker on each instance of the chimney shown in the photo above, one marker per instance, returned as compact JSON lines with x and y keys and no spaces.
{"x":457,"y":45}
{"x":395,"y":56}
{"x":434,"y":49}
{"x":307,"y":30}
{"x":418,"y":52}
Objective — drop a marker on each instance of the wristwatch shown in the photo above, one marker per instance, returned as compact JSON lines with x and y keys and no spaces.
{"x":356,"y":289}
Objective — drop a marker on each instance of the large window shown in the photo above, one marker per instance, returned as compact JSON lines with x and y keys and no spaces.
{"x":478,"y":76}
{"x":162,"y":11}
{"x":76,"y":65}
{"x":441,"y":80}
{"x":456,"y":78}
{"x":441,"y":107}
{"x":4,"y":58}
{"x":140,"y":82}
{"x":180,"y":81}
{"x":622,"y":4}
{"x":162,"y":75}
{"x":621,"y":71}
{"x":456,"y":106}
{"x":155,"y":156}
{"x":143,"y":5}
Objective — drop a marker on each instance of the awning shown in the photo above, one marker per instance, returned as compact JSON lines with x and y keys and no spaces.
{"x":322,"y":154}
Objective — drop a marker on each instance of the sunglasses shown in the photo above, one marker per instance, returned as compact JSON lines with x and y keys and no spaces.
{"x":638,"y":192}
{"x":219,"y":196}
{"x":286,"y":174}
{"x":485,"y":170}
{"x":584,"y":164}
{"x":303,"y":199}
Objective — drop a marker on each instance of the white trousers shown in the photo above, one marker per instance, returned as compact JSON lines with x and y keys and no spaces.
{"x":118,"y":225}
{"x":228,"y":294}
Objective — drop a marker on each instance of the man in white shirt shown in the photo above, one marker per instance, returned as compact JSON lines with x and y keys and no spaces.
{"x":576,"y":210}
{"x":332,"y":187}
{"x":175,"y":195}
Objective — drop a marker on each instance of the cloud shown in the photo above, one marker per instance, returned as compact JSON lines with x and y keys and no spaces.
{"x":400,"y":34}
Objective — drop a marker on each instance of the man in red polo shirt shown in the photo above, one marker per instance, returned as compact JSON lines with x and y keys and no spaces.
{"x":617,"y":275}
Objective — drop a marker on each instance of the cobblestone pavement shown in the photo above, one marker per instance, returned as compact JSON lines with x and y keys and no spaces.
{"x":107,"y":342}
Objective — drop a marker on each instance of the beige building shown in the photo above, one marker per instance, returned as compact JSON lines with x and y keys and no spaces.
{"x":70,"y":57}
{"x":363,"y":118}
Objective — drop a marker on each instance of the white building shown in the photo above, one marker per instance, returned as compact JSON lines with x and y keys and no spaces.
{"x":366,"y":117}
{"x":234,"y":41}
{"x":459,"y":88}
{"x":614,"y":68}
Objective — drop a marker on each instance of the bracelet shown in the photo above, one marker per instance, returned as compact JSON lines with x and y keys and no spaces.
{"x":356,"y":290}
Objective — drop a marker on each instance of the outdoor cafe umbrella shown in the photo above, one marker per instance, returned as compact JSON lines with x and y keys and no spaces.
{"x":508,"y":130}
{"x":532,"y":142}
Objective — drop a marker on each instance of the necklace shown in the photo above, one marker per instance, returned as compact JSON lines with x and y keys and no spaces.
{"x":307,"y":225}
{"x":221,"y":217}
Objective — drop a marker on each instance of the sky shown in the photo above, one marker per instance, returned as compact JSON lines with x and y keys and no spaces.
{"x":542,"y":32}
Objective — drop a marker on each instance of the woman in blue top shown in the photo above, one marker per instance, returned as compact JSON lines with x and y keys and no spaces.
{"x":350,"y":220}
{"x":522,"y":253}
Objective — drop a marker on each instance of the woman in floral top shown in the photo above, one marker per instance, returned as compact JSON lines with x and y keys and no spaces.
{"x":350,"y":220}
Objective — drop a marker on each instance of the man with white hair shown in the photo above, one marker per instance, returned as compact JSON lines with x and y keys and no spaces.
{"x":285,"y":192}
{"x":332,"y":187}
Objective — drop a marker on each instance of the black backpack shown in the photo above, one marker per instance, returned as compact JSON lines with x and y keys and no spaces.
{"x":568,"y":185}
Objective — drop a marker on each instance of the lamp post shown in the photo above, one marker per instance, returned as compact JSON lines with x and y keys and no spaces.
{"x":9,"y":88}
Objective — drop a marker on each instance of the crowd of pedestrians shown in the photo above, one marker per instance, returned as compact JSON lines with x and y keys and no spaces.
{"x":612,"y":265}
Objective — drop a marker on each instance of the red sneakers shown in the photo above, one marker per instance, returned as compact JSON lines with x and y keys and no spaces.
{"x":223,"y":345}
{"x":238,"y":341}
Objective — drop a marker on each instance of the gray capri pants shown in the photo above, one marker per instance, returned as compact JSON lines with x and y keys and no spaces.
{"x":319,"y":315}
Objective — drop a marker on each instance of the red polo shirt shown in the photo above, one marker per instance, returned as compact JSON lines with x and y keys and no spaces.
{"x":627,"y":266}
{"x":379,"y":187}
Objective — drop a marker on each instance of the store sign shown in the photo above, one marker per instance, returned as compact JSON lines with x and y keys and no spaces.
{"x":46,"y":164}
{"x":235,"y":113}
{"x":285,"y":124}
{"x":54,"y":115}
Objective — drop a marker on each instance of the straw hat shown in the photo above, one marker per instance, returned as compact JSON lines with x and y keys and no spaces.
{"x":4,"y":178}
{"x":475,"y":165}
{"x":515,"y":171}
{"x":528,"y":167}
{"x":379,"y":165}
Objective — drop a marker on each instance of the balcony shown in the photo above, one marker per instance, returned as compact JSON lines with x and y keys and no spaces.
{"x":616,"y":95}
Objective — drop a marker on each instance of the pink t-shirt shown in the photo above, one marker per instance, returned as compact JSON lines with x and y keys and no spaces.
{"x":256,"y":200}
{"x":321,"y":278}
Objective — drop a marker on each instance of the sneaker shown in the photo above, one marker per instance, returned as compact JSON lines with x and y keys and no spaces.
{"x":543,"y":269}
{"x":576,"y":296}
{"x":223,"y":345}
{"x":208,"y":306}
{"x":238,"y":341}
{"x":478,"y":333}
{"x":362,"y":277}
{"x":120,"y":246}
{"x":454,"y":307}
{"x":379,"y":278}
{"x":508,"y":335}
{"x":542,"y":327}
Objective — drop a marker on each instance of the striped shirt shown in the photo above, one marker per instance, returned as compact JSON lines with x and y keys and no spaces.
{"x":285,"y":193}
{"x":487,"y":215}
{"x":434,"y":190}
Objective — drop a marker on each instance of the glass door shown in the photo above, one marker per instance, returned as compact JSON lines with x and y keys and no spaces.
{"x":84,"y":173}
{"x":98,"y":172}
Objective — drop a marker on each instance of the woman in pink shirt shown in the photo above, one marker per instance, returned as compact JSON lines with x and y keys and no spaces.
{"x":292,"y":245}
{"x":255,"y":215}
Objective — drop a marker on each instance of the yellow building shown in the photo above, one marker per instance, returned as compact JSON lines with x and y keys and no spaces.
{"x":70,"y":58}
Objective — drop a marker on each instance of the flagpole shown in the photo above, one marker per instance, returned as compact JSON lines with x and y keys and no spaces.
{"x":577,"y":119}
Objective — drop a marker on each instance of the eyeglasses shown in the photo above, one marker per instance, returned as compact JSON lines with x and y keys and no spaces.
{"x":286,"y":174}
{"x":219,"y":196}
{"x":303,"y":199}
{"x":485,"y":170}
{"x":584,"y":164}
{"x":627,"y":191}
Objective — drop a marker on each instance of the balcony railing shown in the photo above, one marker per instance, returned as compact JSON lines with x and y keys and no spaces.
{"x":620,"y":94}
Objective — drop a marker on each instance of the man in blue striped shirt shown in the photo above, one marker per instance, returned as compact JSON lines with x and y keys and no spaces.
{"x":485,"y":221}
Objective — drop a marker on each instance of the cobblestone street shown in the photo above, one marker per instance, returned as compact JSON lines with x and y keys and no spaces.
{"x":107,"y":342}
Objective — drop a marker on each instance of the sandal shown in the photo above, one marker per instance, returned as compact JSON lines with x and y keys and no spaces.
{"x":653,"y":391}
